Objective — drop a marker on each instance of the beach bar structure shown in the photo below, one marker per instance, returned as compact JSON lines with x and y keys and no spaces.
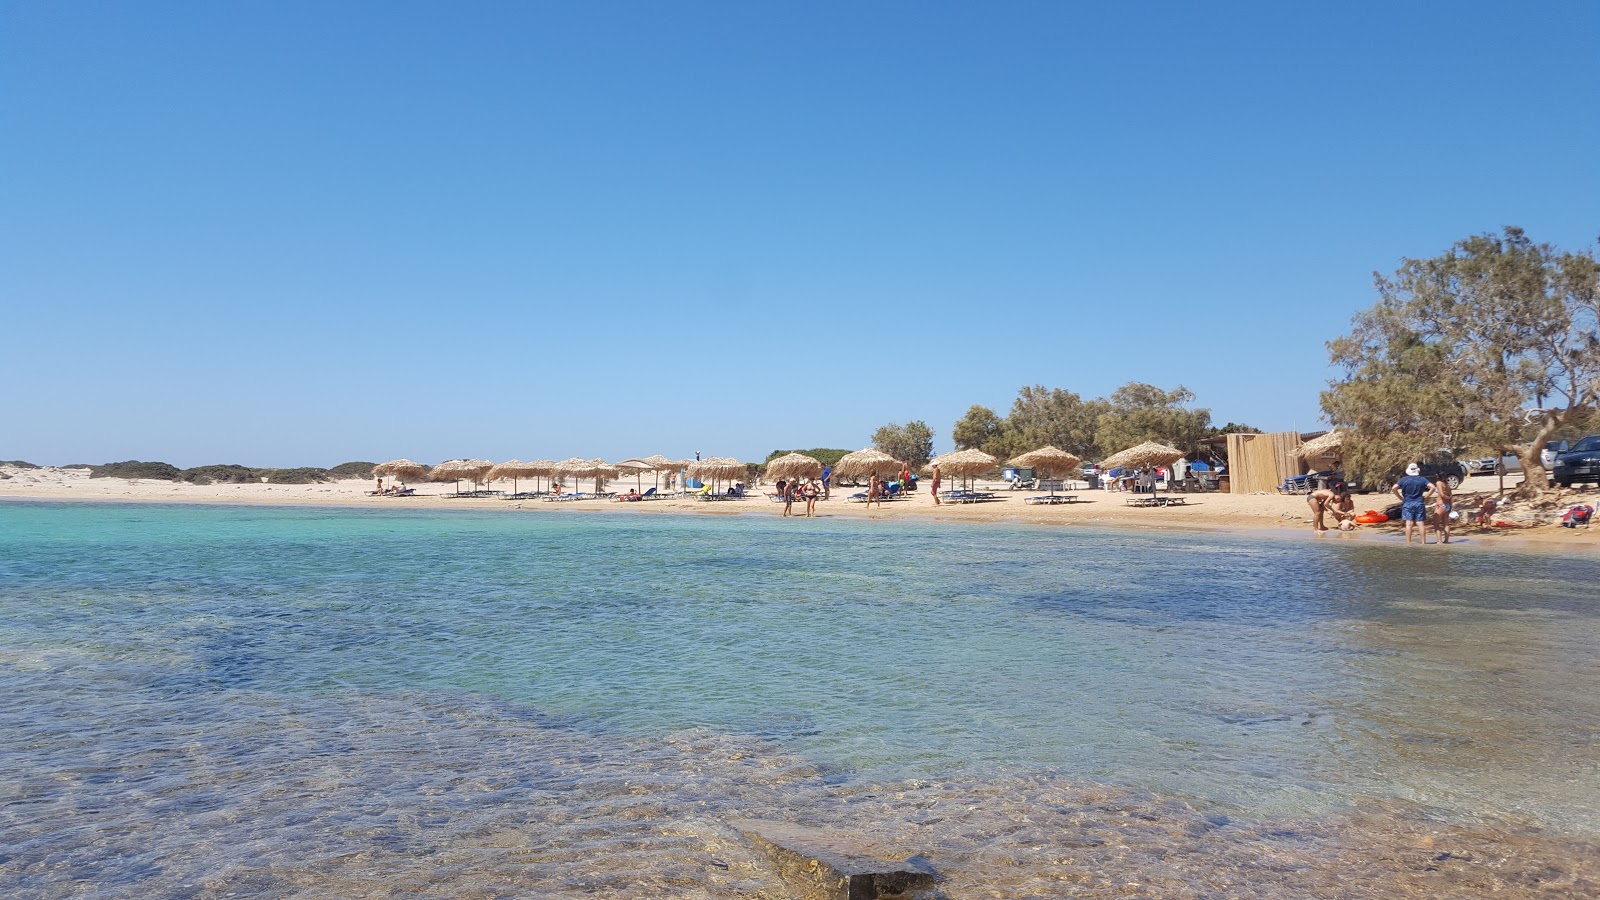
{"x":1259,"y":463}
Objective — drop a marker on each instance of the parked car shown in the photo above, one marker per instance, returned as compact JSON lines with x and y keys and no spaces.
{"x":1454,"y":471}
{"x":1505,"y":464}
{"x":1548,"y":454}
{"x":1581,"y":463}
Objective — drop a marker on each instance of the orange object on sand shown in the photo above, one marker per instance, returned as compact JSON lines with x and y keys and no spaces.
{"x":1372,"y":517}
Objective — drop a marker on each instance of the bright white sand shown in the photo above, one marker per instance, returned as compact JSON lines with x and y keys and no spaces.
{"x":1231,"y":512}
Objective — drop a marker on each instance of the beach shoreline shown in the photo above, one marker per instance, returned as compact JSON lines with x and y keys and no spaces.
{"x":1208,"y":512}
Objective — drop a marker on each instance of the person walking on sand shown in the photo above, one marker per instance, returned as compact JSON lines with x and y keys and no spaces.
{"x":1335,"y":501}
{"x":1444,"y":505}
{"x":935,"y":484}
{"x":809,"y":492}
{"x":875,"y":491}
{"x":1413,"y":491}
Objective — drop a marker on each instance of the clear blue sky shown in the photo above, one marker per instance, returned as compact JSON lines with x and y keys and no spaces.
{"x":304,"y":233}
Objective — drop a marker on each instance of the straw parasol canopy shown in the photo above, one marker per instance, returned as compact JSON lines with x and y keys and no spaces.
{"x":1326,"y":445}
{"x":866,"y":462}
{"x":457,"y":469}
{"x":636,"y":466}
{"x":598,"y":469}
{"x":401,"y":470}
{"x":962,"y":463}
{"x":1148,"y":453}
{"x":513,"y":469}
{"x":794,"y":465}
{"x":718,"y":468}
{"x":1048,"y":461}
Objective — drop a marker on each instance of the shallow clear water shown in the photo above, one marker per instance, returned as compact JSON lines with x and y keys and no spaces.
{"x":208,"y":700}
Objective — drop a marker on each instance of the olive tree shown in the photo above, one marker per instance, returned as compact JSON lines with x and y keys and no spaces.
{"x":911,"y":442}
{"x":1462,"y":350}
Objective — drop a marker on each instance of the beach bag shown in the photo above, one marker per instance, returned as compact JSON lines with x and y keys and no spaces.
{"x":1578,"y":515}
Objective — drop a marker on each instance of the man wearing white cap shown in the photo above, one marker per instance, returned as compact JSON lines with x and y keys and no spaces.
{"x":1413,"y":491}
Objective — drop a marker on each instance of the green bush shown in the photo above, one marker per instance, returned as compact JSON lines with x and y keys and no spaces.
{"x":825,"y":456}
{"x":306,"y":475}
{"x":133,"y":468}
{"x":227,"y":474}
{"x":21,"y":464}
{"x":352,"y":470}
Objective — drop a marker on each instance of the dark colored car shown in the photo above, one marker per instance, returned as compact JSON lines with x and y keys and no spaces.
{"x":1581,"y":463}
{"x":1453,"y":470}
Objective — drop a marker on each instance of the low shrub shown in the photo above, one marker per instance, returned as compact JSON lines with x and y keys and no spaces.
{"x":352,"y":470}
{"x":18,"y":463}
{"x":133,"y":468}
{"x":306,"y":475}
{"x":227,"y":474}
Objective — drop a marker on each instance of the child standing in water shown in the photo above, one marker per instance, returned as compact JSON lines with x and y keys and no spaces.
{"x":1444,"y":505}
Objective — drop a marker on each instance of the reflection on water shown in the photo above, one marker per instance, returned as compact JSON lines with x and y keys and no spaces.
{"x":262,"y":702}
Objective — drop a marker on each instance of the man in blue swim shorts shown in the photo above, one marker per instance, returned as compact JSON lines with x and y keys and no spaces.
{"x":1413,"y":491}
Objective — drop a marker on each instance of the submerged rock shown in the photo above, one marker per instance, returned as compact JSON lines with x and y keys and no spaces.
{"x":825,"y":865}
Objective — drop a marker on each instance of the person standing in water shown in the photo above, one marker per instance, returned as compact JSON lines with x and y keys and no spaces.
{"x":1443,"y":504}
{"x":1413,"y":491}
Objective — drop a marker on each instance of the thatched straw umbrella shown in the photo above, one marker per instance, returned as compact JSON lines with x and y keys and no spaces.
{"x":1327,"y":445}
{"x":457,"y":469}
{"x":1048,"y":462}
{"x":965,"y":463}
{"x":513,"y":469}
{"x":794,"y":465}
{"x":869,"y":461}
{"x":598,"y":469}
{"x":659,"y":464}
{"x":717,"y":469}
{"x":636,"y":466}
{"x":401,"y":470}
{"x":1148,"y":453}
{"x":573,"y":466}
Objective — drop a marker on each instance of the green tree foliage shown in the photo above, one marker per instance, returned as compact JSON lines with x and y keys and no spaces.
{"x":1461,"y":349}
{"x":976,"y":429}
{"x":18,"y":463}
{"x":1059,"y":418}
{"x":911,"y":442}
{"x":1141,"y":412}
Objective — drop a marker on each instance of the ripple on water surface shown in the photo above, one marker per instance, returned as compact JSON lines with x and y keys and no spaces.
{"x":335,"y":703}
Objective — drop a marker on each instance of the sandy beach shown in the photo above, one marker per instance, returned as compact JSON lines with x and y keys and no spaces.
{"x":1207,"y":511}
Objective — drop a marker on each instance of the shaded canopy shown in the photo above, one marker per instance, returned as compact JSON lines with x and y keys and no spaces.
{"x":457,"y":469}
{"x":962,"y":463}
{"x":1326,"y":445}
{"x":1148,"y":453}
{"x":794,"y":465}
{"x":718,"y":468}
{"x":402,"y":469}
{"x":1048,"y":462}
{"x":511,"y":468}
{"x":635,"y":465}
{"x":662,"y":464}
{"x":866,"y":462}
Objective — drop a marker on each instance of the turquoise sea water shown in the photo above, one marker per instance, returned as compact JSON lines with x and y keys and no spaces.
{"x":346,"y":701}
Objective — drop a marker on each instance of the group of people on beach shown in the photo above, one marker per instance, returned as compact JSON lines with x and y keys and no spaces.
{"x":1414,"y":491}
{"x":805,"y":492}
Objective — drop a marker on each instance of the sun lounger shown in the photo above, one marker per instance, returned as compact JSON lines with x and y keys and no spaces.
{"x":1053,"y":499}
{"x":1156,"y":500}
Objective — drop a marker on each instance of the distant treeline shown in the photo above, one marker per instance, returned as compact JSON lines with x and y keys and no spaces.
{"x":229,"y":474}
